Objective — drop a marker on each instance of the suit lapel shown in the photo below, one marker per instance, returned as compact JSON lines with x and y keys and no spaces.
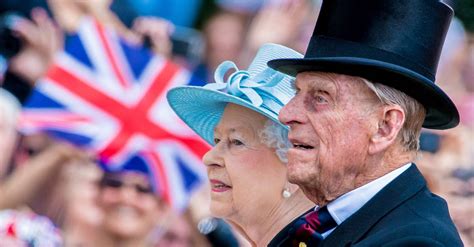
{"x":282,"y":238}
{"x":396,"y":192}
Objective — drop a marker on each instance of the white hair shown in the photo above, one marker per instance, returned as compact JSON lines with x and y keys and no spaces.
{"x":415,"y":113}
{"x":275,"y":136}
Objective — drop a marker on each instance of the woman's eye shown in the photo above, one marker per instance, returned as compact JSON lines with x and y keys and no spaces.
{"x":236,"y":142}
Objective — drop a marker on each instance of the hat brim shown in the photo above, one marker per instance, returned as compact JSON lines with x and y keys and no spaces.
{"x":201,"y":109}
{"x":441,"y":111}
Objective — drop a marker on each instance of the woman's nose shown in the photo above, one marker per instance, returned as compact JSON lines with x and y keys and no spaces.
{"x":213,"y":157}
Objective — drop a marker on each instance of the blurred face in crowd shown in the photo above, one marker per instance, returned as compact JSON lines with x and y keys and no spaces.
{"x":246,"y":176}
{"x":131,"y":209}
{"x":81,"y":194}
{"x":331,"y":119}
{"x":224,"y":34}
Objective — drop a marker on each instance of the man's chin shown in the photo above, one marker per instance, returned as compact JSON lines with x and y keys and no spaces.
{"x":298,"y":176}
{"x":313,"y":195}
{"x":297,"y":171}
{"x":304,"y":178}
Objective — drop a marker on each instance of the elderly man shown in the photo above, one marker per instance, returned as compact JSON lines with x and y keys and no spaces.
{"x":365,"y":88}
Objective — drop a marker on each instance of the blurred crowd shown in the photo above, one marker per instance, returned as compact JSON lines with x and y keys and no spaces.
{"x":53,"y":194}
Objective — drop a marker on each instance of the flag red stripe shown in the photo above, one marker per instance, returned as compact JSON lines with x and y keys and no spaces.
{"x":116,"y":144}
{"x":164,"y":184}
{"x":110,"y":55}
{"x":77,"y":86}
{"x":137,"y":120}
{"x":158,"y":86}
{"x":132,"y":120}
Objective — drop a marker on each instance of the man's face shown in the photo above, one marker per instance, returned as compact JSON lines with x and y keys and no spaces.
{"x":331,"y":119}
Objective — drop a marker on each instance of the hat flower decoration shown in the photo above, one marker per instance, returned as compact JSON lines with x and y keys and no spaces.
{"x":259,"y":88}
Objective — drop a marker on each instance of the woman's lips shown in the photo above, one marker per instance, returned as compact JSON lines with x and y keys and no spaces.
{"x":219,"y":186}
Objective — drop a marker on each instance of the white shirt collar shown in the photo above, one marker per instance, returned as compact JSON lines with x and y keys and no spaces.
{"x":346,"y":205}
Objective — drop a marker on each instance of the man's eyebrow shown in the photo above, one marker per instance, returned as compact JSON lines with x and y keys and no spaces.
{"x":323,"y":83}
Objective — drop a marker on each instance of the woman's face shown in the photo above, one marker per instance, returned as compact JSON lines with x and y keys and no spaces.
{"x":246,"y":176}
{"x":130,"y":207}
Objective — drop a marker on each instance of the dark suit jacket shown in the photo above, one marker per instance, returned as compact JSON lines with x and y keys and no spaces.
{"x":282,"y":238}
{"x":404,"y":213}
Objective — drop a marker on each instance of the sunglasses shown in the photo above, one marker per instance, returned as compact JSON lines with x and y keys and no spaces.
{"x":117,"y":184}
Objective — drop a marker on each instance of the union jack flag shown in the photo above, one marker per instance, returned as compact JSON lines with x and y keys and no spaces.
{"x":109,"y":96}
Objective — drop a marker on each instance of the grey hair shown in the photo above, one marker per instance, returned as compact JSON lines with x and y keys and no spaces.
{"x":275,"y":136}
{"x":415,"y":113}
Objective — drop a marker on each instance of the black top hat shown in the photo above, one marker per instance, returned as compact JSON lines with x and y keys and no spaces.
{"x":394,"y":42}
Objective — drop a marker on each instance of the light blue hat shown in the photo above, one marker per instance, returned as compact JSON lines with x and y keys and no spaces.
{"x":260,"y":88}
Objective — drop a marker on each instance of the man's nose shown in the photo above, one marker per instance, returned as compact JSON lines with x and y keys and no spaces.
{"x":292,"y":113}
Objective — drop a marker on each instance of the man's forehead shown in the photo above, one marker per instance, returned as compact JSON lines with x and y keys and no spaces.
{"x":312,"y":79}
{"x":324,"y":79}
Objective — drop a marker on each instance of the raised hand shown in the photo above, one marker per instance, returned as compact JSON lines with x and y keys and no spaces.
{"x":41,"y":39}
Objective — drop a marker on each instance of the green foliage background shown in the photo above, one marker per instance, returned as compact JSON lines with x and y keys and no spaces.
{"x":464,"y":10}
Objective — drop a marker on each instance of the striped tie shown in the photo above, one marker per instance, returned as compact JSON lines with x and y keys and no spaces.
{"x":307,"y":230}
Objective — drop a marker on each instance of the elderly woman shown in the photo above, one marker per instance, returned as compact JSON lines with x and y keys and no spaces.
{"x":246,"y":165}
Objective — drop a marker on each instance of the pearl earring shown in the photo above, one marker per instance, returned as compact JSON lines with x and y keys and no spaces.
{"x":286,"y":193}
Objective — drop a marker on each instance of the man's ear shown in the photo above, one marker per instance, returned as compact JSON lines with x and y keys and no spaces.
{"x":390,"y":123}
